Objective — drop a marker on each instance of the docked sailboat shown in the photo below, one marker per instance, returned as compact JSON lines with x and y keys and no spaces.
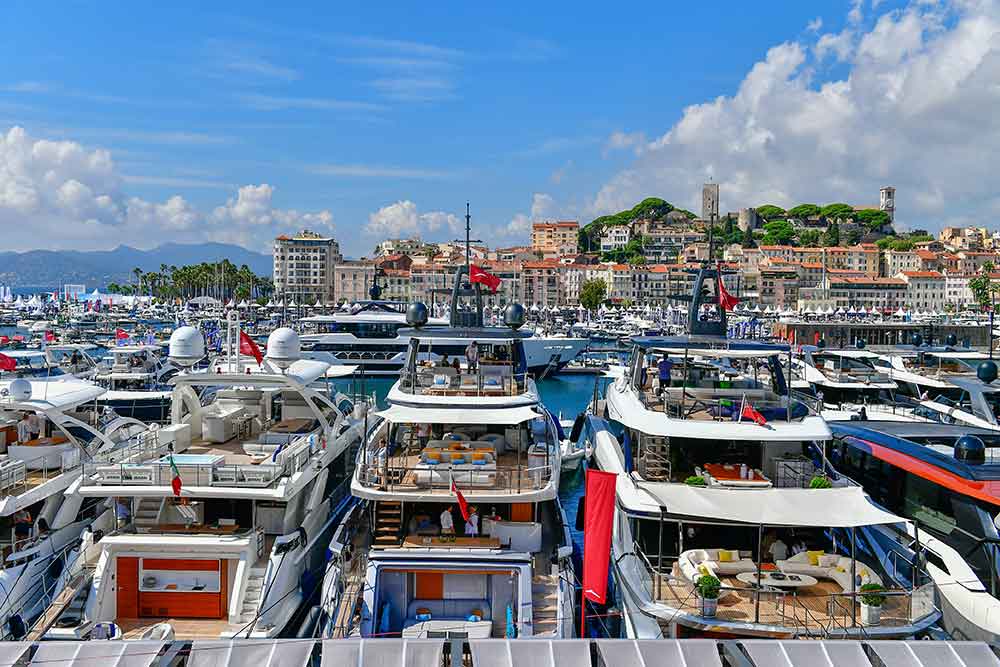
{"x":470,"y":446}
{"x":728,"y":520}
{"x":226,"y":515}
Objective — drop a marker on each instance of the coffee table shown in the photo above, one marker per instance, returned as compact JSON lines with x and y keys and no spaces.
{"x":768,"y":579}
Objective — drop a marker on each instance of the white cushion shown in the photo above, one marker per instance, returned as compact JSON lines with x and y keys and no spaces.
{"x":829,"y":560}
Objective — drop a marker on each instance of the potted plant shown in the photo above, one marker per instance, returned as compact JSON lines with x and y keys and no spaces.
{"x":820,"y":482}
{"x":707,"y":588}
{"x":872,"y":597}
{"x":695,"y":480}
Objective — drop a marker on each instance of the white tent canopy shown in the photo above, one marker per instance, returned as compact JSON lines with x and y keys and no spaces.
{"x":534,"y":653}
{"x":839,"y":507}
{"x":98,"y":654}
{"x":280,"y":653}
{"x":379,"y":652}
{"x":11,"y":652}
{"x":658,"y":653}
{"x":403,"y":414}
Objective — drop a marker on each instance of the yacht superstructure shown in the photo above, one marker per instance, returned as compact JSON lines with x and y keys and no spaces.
{"x":226,"y":514}
{"x":724,"y":484}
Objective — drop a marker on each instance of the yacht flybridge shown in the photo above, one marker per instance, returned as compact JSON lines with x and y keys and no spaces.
{"x":226,"y":514}
{"x":137,"y":383}
{"x":40,"y":522}
{"x":459,"y":527}
{"x":727,"y":519}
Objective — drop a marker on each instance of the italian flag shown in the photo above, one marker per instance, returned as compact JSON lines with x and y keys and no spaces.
{"x":175,"y":482}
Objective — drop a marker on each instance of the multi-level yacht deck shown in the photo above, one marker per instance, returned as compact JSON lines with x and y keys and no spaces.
{"x":723,"y":480}
{"x":406,"y":560}
{"x":225,"y":509}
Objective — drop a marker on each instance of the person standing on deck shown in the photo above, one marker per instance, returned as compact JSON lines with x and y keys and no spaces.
{"x":472,"y":525}
{"x":447,"y":522}
{"x":472,"y":356}
{"x":23,"y":429}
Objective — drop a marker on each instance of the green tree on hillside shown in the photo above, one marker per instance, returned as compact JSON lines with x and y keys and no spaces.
{"x":770,"y":211}
{"x":982,"y":287}
{"x":838,"y":211}
{"x":803,"y":211}
{"x":779,"y":232}
{"x":872,"y":218}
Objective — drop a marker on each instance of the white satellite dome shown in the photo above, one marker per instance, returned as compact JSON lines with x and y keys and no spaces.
{"x":19,"y":390}
{"x":283,"y":347}
{"x":187,"y":346}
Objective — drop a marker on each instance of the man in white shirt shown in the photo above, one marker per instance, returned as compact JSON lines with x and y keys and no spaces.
{"x":34,"y":425}
{"x":778,"y":550}
{"x":23,"y":429}
{"x":472,"y":525}
{"x":447,"y":522}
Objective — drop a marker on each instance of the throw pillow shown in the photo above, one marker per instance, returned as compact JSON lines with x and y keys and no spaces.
{"x":814,"y":557}
{"x":725,"y":556}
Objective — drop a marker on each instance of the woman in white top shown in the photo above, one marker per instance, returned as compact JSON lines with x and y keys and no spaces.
{"x":447,"y":522}
{"x":472,"y":525}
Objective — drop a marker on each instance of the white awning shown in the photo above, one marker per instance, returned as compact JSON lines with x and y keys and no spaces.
{"x":380,"y":652}
{"x":533,"y":653}
{"x":280,"y":653}
{"x":11,"y":652}
{"x":839,"y":507}
{"x":97,"y":654}
{"x":719,"y":353}
{"x":62,"y":395}
{"x":845,"y":653}
{"x":958,"y":355}
{"x":660,"y":652}
{"x":849,"y":354}
{"x":405,"y":414}
{"x":918,"y":653}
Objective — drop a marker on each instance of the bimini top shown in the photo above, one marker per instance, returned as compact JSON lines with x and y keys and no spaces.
{"x":46,"y":396}
{"x":484,"y":334}
{"x":719,"y":353}
{"x":839,"y":507}
{"x":302,"y":371}
{"x":707,"y":343}
{"x":403,"y":414}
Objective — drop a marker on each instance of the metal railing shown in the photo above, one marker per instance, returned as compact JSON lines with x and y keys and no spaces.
{"x":725,"y":408}
{"x":480,"y":382}
{"x":505,"y":479}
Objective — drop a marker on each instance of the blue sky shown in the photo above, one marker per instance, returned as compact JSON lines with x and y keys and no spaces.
{"x":346,"y":111}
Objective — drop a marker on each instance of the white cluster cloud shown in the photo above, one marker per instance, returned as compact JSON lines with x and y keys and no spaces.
{"x":59,"y":194}
{"x":914,"y":109}
{"x":542,"y":206}
{"x":402,"y":219}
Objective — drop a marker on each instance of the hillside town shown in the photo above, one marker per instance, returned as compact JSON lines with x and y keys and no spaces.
{"x":837,"y":256}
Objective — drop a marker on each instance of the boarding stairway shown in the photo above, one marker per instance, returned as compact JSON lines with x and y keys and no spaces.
{"x":388,"y":524}
{"x":251,"y":598}
{"x":545,"y":605}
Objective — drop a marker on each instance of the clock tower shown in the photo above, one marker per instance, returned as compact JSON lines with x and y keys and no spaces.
{"x":887,"y":201}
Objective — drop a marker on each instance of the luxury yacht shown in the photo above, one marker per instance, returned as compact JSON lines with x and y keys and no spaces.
{"x":477,"y":434}
{"x":41,"y":523}
{"x":727,"y":520}
{"x":371,"y":335}
{"x":944,"y":479}
{"x":53,"y":362}
{"x":137,"y":380}
{"x":849,"y":384}
{"x":226,"y":515}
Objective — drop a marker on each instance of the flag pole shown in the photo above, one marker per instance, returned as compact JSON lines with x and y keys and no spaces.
{"x":583,"y":611}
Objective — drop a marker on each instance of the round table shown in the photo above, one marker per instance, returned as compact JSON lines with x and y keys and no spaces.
{"x":767,"y":579}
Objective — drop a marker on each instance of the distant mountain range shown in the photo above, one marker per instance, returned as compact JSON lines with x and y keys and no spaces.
{"x":96,"y":268}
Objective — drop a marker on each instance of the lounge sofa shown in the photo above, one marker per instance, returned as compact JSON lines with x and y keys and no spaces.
{"x":697,"y":562}
{"x":828,"y":566}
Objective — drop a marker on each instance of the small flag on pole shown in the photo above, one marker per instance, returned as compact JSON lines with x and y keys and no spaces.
{"x":478,"y":275}
{"x":7,"y":363}
{"x":175,"y":482}
{"x":462,"y":505}
{"x":249,"y":348}
{"x":749,"y":412}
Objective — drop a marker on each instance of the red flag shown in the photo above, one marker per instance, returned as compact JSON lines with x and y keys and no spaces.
{"x":49,"y":336}
{"x":463,"y":506}
{"x":4,"y":340}
{"x":477,"y":275}
{"x":751,"y":413}
{"x":7,"y":363}
{"x":249,"y":348}
{"x":726,"y":300}
{"x":121,"y":334}
{"x":175,"y":479}
{"x":597,"y":521}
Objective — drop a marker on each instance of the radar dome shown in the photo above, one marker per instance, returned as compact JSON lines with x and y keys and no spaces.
{"x":918,"y":340}
{"x":283,"y":347}
{"x":987,"y":371}
{"x":513,"y":316}
{"x":187,"y":347}
{"x":970,"y":449}
{"x":860,"y":343}
{"x":20,"y":389}
{"x":416,"y":314}
{"x":821,"y":344}
{"x":951,"y":340}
